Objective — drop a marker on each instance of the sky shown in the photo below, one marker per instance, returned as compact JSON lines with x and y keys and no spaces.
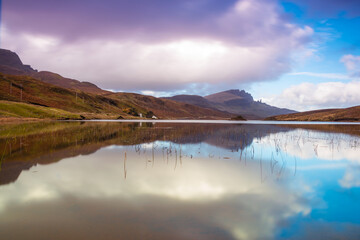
{"x":299,"y":54}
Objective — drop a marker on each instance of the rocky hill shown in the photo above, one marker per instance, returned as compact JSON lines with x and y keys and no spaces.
{"x":235,"y":102}
{"x":10,"y":63}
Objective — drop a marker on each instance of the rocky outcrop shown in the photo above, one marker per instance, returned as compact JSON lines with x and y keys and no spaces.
{"x":10,"y":63}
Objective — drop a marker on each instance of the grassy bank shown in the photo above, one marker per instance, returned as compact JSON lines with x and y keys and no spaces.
{"x":19,"y":110}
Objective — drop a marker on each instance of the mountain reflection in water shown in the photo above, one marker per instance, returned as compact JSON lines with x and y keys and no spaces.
{"x":113,"y":180}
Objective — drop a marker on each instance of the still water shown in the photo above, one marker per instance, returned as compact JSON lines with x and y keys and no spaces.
{"x":167,"y":180}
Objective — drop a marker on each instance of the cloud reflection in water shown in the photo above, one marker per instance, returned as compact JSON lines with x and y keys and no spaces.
{"x":210,"y":186}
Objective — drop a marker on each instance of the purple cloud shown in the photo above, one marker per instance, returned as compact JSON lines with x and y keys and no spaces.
{"x":155,"y":45}
{"x":158,"y":20}
{"x":115,"y":18}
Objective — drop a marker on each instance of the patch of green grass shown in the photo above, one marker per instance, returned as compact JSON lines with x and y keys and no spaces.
{"x":24,"y":110}
{"x":22,"y":129}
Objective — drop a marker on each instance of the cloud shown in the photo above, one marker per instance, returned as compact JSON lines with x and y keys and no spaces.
{"x":316,"y":145}
{"x":222,"y":194}
{"x":134,"y":45}
{"x":309,"y":96}
{"x":352,"y":64}
{"x":247,"y":21}
{"x":351,"y":178}
{"x":114,"y":19}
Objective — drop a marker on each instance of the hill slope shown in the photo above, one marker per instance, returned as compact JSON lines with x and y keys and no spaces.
{"x":345,"y":115}
{"x":192,"y":99}
{"x":166,"y":108}
{"x":32,"y":91}
{"x":108,"y":105}
{"x":60,"y":81}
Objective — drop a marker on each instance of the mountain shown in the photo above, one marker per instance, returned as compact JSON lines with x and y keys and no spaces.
{"x":242,"y":103}
{"x":27,"y":93}
{"x":10,"y":63}
{"x":344,"y":115}
{"x":233,"y":101}
{"x":167,"y":108}
{"x":44,"y":92}
{"x":32,"y":91}
{"x":22,"y":83}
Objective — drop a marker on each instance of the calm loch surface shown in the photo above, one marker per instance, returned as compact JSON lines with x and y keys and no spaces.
{"x":166,"y":180}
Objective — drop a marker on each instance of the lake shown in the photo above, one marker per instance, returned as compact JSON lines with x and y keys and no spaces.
{"x":179,"y":180}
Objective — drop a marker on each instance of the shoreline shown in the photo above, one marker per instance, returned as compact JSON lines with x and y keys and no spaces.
{"x":15,"y":120}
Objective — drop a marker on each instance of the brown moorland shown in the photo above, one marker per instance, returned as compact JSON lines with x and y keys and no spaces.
{"x":108,"y":105}
{"x":351,"y":114}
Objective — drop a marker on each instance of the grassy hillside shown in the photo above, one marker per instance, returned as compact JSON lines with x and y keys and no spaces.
{"x":107,"y":105}
{"x":23,"y":110}
{"x":32,"y":91}
{"x":346,"y":115}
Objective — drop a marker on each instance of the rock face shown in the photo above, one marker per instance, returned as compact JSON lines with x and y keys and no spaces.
{"x":10,"y":63}
{"x":238,"y":102}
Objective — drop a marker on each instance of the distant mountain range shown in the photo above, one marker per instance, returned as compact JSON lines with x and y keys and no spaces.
{"x":43,"y":92}
{"x":233,"y":101}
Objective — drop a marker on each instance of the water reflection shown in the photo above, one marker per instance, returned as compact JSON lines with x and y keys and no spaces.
{"x":178,"y":181}
{"x":27,"y":145}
